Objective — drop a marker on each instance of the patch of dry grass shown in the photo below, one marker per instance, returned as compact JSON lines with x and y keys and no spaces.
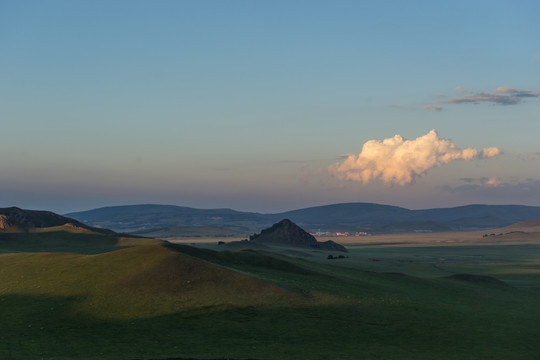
{"x":473,"y":238}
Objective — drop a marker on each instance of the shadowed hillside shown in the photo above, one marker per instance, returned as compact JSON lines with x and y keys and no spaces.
{"x":15,"y":219}
{"x":44,"y":231}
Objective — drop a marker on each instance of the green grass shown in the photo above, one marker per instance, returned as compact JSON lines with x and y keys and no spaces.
{"x":143,"y":300}
{"x":66,"y":238}
{"x":518,"y":265}
{"x":377,"y":330}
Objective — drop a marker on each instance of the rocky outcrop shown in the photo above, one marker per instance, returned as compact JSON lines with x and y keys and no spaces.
{"x":330,"y":245}
{"x":14,"y":217}
{"x":4,"y":222}
{"x":288,"y":233}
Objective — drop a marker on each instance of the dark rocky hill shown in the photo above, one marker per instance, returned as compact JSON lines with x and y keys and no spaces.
{"x":15,"y":218}
{"x":44,"y":231}
{"x":288,"y":233}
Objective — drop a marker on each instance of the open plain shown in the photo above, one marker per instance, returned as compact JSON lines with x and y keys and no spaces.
{"x":412,"y":296}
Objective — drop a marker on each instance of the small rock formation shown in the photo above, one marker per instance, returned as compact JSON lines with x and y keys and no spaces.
{"x":4,"y":222}
{"x":286,"y":232}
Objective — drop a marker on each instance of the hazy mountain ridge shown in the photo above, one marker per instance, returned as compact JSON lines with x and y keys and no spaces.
{"x":135,"y":218}
{"x":190,"y":231}
{"x":368,"y":217}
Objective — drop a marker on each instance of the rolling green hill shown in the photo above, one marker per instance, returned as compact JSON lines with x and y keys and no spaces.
{"x":140,"y":298}
{"x":152,"y":301}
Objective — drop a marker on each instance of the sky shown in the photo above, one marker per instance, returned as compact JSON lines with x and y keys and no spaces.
{"x":268,"y":106}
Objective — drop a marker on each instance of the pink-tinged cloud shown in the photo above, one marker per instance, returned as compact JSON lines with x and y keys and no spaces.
{"x":506,"y":90}
{"x":493,"y":182}
{"x":400,"y":161}
{"x":490,"y":152}
{"x":433,"y":107}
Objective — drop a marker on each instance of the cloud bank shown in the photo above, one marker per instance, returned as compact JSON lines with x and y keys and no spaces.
{"x":400,"y":161}
{"x":501,"y":96}
{"x":483,"y":182}
{"x":524,"y":191}
{"x":433,"y":107}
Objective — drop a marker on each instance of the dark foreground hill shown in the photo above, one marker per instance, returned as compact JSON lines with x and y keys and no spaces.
{"x":351,"y":217}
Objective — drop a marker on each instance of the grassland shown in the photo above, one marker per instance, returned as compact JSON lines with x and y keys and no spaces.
{"x":145,"y":299}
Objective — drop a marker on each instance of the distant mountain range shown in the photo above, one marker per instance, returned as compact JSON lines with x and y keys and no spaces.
{"x":140,"y":218}
{"x":346,"y":217}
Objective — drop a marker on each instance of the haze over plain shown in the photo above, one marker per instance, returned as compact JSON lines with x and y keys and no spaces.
{"x":268,"y":106}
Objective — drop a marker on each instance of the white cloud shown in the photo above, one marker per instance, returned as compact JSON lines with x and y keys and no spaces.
{"x":400,"y":161}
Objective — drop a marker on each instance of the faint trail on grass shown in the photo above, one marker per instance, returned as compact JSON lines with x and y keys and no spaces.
{"x":441,"y":269}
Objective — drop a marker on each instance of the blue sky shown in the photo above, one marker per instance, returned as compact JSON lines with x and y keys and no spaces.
{"x":254,"y":105}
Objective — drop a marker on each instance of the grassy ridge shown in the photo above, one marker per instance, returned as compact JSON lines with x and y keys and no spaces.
{"x":156,"y":301}
{"x":65,"y":238}
{"x":132,"y":283}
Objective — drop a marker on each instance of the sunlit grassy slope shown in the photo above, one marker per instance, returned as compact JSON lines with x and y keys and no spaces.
{"x":142,"y":298}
